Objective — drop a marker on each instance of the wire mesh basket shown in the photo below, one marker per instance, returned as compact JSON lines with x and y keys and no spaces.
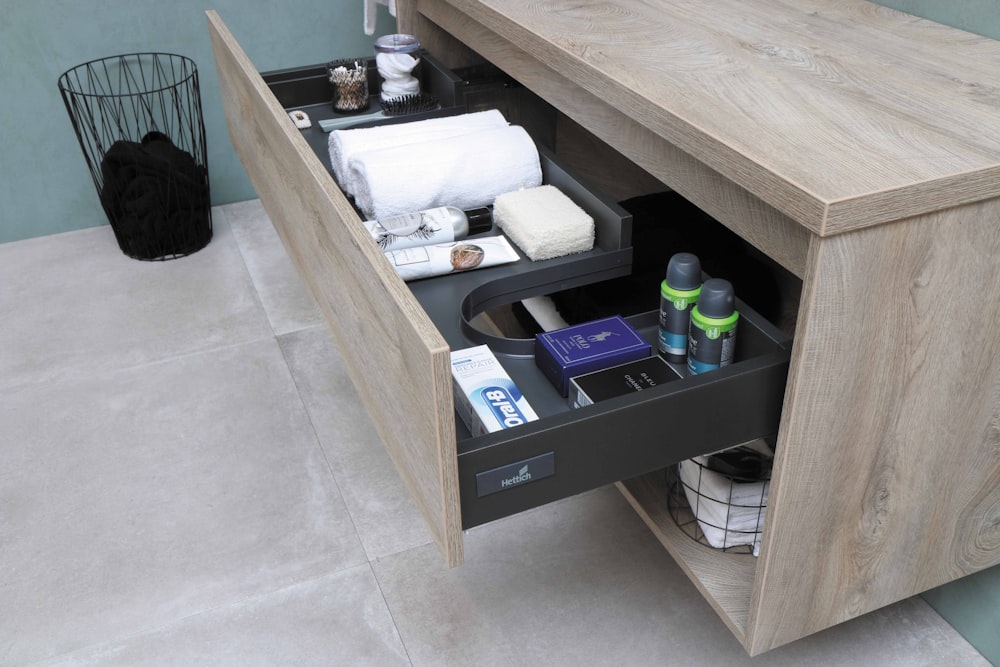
{"x":138,"y":119}
{"x":723,"y":511}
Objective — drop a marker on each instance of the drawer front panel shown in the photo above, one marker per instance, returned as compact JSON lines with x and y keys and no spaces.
{"x":395,"y":356}
{"x":627,"y":436}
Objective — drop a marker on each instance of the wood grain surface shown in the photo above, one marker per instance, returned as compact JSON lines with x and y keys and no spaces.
{"x":396,"y":358}
{"x":839,"y":114}
{"x":725,"y":579}
{"x":887,"y":475}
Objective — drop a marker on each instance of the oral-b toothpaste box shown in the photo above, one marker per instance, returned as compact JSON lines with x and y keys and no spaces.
{"x":587,"y":347}
{"x":486,"y":398}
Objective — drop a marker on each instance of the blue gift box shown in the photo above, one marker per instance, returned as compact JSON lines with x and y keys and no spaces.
{"x":587,"y":347}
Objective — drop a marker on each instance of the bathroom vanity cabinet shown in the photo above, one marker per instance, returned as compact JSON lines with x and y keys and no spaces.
{"x":856,"y":146}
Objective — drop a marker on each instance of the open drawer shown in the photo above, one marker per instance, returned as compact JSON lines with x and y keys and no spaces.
{"x":396,"y":338}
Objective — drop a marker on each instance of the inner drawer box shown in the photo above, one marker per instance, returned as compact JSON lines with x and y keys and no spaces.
{"x":577,"y":450}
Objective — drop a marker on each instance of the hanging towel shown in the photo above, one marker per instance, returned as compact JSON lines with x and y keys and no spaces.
{"x":467,"y":171}
{"x":371,"y":12}
{"x":344,"y":144}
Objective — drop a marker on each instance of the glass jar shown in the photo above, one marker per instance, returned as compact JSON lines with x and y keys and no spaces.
{"x":396,"y":57}
{"x":350,"y":85}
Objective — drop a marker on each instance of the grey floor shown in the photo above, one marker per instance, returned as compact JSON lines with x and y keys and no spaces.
{"x":187,"y":478}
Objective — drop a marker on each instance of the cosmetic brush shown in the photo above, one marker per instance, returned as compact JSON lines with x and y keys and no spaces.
{"x":397,"y":106}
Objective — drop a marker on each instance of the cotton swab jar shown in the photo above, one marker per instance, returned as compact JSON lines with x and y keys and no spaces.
{"x":396,"y":56}
{"x":350,"y":85}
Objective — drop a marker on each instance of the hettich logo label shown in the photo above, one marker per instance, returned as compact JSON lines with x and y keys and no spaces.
{"x":516,"y":474}
{"x":522,"y":476}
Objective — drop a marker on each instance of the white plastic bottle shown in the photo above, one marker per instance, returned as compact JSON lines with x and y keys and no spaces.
{"x":435,"y":225}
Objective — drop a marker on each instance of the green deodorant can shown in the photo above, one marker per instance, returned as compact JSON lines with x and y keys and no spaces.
{"x":712,"y":335}
{"x":678,"y":294}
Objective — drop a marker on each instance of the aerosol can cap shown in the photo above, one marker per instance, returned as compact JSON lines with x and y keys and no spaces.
{"x":716,"y":299}
{"x":684,"y":271}
{"x":480,"y":220}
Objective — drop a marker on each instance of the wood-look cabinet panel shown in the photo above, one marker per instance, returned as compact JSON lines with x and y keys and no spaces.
{"x":887,"y":476}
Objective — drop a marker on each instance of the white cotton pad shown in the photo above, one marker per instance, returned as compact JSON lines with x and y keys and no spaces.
{"x":544,"y":222}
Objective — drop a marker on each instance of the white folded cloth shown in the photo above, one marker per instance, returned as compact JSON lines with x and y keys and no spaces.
{"x":544,"y":222}
{"x":466,"y":171}
{"x":344,"y":144}
{"x":544,"y":310}
{"x":371,"y":12}
{"x":729,"y":513}
{"x":396,"y":72}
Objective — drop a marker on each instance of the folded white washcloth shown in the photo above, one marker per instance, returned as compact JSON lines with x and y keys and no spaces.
{"x":344,"y":144}
{"x":467,"y":171}
{"x":729,"y":513}
{"x":544,"y":222}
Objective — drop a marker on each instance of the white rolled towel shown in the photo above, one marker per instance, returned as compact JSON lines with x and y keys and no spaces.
{"x":344,"y":144}
{"x":466,"y":171}
{"x":729,"y":513}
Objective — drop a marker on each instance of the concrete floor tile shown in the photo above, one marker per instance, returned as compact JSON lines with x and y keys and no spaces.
{"x":582,"y":582}
{"x":288,"y":304}
{"x":338,"y":619}
{"x":385,"y":516}
{"x":136,"y":498}
{"x":75,"y":305}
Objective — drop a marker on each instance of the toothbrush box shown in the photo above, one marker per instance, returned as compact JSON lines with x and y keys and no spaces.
{"x":584,"y":348}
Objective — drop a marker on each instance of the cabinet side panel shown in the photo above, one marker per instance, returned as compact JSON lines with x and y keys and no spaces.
{"x":887,"y":476}
{"x":395,"y":356}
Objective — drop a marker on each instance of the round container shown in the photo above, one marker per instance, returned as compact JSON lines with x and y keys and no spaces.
{"x":349,"y":79}
{"x":712,"y":337}
{"x":678,"y":295}
{"x":396,"y":57}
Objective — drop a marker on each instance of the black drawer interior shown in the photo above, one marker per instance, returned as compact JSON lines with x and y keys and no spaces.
{"x":576,"y":450}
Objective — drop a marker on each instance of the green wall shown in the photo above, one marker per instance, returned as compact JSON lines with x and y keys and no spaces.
{"x":972,"y":604}
{"x":979,"y":16}
{"x":45,"y":186}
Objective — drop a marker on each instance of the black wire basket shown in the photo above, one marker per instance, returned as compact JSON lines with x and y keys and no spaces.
{"x":723,"y":511}
{"x":138,"y":119}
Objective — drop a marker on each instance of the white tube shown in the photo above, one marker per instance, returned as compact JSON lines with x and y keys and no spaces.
{"x":438,"y":260}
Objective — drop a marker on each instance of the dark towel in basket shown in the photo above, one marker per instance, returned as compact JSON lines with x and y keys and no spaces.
{"x":155,"y":193}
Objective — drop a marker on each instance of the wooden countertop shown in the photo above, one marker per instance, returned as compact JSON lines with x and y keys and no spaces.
{"x":839,"y":114}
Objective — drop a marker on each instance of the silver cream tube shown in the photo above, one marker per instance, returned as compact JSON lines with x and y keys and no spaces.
{"x":443,"y":258}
